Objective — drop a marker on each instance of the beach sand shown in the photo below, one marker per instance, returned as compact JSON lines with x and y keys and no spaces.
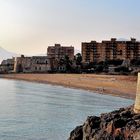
{"x":117,"y":85}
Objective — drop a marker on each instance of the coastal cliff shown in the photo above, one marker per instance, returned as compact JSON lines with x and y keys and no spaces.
{"x":122,"y":124}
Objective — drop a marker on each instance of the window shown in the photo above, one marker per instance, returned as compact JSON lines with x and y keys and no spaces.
{"x":120,"y":52}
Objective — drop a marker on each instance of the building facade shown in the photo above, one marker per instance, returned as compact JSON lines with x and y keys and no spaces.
{"x":7,"y":66}
{"x":32,"y":64}
{"x":110,"y":50}
{"x":57,"y":51}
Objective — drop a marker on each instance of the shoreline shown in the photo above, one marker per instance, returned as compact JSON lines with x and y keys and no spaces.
{"x":101,"y":84}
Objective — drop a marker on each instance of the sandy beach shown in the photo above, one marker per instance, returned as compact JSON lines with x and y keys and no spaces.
{"x":116,"y":85}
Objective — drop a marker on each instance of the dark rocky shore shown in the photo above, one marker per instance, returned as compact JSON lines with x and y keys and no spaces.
{"x":122,"y":124}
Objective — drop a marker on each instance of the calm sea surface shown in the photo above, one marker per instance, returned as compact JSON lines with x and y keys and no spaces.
{"x":32,"y":111}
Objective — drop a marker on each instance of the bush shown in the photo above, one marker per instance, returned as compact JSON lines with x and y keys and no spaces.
{"x":114,"y":62}
{"x":122,"y":69}
{"x":99,"y":68}
{"x":135,"y":62}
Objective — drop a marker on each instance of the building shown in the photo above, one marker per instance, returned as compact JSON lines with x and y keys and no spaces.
{"x":110,"y":50}
{"x":39,"y":64}
{"x":7,"y":66}
{"x":34,"y":64}
{"x":57,"y":51}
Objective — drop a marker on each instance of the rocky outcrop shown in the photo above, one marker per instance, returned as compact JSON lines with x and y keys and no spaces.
{"x":122,"y":124}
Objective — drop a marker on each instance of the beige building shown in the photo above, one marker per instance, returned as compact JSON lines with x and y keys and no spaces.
{"x":32,"y":64}
{"x":110,"y":50}
{"x":57,"y":51}
{"x":7,"y":65}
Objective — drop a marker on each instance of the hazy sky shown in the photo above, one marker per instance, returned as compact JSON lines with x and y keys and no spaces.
{"x":29,"y":26}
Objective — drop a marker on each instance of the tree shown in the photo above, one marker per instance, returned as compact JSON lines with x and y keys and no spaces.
{"x":78,"y":59}
{"x":68,"y":63}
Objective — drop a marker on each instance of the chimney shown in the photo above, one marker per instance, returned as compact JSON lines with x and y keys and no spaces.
{"x":137,"y":101}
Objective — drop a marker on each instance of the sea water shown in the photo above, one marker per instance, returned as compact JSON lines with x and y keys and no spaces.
{"x":34,"y":111}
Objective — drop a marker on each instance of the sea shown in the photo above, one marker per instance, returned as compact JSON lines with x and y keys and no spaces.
{"x":35,"y":111}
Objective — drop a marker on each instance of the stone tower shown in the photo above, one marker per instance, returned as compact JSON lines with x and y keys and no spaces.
{"x":18,"y":63}
{"x":137,"y":101}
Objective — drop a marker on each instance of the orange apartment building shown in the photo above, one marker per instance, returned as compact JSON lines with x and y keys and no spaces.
{"x":110,"y":50}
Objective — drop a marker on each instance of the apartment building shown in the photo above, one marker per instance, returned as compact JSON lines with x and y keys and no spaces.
{"x":110,"y":50}
{"x":57,"y":51}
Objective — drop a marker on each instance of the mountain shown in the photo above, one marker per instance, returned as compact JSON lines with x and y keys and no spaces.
{"x":122,"y":39}
{"x":4,"y":54}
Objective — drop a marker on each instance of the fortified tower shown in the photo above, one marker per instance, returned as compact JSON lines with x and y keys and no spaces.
{"x":137,"y":101}
{"x":18,"y":64}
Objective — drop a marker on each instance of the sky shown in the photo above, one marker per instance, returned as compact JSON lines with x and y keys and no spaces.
{"x":29,"y":26}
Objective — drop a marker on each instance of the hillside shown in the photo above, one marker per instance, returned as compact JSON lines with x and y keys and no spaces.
{"x":4,"y":54}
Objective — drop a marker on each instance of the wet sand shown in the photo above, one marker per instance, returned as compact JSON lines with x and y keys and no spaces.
{"x":116,"y":85}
